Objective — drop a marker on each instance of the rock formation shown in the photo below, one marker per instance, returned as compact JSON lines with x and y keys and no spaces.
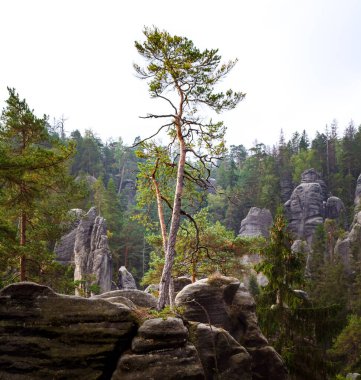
{"x":257,"y":223}
{"x":92,"y":257}
{"x":125,"y":279}
{"x":358,"y":194}
{"x":220,"y":352}
{"x":310,"y":204}
{"x":348,"y":247}
{"x":160,"y":350}
{"x":64,"y":248}
{"x":223,"y":303}
{"x":45,"y":335}
{"x":335,"y":209}
{"x":180,"y":282}
{"x":138,"y":297}
{"x":305,"y":208}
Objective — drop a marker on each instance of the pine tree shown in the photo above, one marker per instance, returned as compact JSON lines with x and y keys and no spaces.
{"x":33,"y":167}
{"x":185,"y":78}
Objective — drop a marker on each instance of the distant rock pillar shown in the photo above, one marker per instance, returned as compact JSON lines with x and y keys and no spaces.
{"x":92,"y":256}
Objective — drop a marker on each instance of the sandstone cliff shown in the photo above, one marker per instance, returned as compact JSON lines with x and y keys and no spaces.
{"x":45,"y":335}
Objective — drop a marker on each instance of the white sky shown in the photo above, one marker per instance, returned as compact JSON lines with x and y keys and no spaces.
{"x":299,"y":61}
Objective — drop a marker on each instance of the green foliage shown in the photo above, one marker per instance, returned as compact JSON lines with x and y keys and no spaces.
{"x":35,"y":188}
{"x":283,"y":267}
{"x":176,"y":311}
{"x":217,"y":250}
{"x":290,"y":322}
{"x":253,"y":286}
{"x":346,"y":350}
{"x":86,"y":287}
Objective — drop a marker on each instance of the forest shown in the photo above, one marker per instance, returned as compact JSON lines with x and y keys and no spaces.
{"x":309,"y":311}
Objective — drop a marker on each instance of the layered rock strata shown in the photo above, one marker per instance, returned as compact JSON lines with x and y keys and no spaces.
{"x":160,"y":350}
{"x":137,"y":297}
{"x":44,"y":335}
{"x":221,"y":302}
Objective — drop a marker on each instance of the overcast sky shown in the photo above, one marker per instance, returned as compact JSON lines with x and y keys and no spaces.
{"x":299,"y":61}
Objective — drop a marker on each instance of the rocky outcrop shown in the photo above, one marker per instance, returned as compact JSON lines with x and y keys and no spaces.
{"x":44,"y":335}
{"x":160,"y":350}
{"x":221,"y":302}
{"x":221,"y":355}
{"x":138,"y":297}
{"x":92,"y":257}
{"x":335,"y":209}
{"x":310,"y":204}
{"x":305,"y":210}
{"x":358,"y":194}
{"x":180,"y":283}
{"x":348,"y":247}
{"x":86,"y":247}
{"x":257,"y":223}
{"x":125,"y":279}
{"x":64,"y":248}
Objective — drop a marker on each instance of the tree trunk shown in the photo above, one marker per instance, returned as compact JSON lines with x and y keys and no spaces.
{"x":193,"y":270}
{"x":126,"y":257}
{"x":22,"y":243}
{"x":175,"y":221}
{"x":160,"y":210}
{"x":121,"y":179}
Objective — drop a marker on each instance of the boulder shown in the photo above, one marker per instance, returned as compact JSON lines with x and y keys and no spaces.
{"x":180,"y":283}
{"x":353,"y":376}
{"x":138,"y":297}
{"x":92,"y":257}
{"x":44,"y":335}
{"x":221,"y":355}
{"x":335,"y":209}
{"x":267,"y":364}
{"x":159,"y":333}
{"x":125,"y":279}
{"x":122,"y":300}
{"x":257,"y":223}
{"x":160,"y":351}
{"x":152,"y":288}
{"x":221,"y":302}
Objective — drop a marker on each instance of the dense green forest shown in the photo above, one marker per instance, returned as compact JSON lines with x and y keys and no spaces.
{"x":45,"y":173}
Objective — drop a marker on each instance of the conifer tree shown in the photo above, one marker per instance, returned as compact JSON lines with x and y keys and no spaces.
{"x":184,"y":78}
{"x":33,"y":166}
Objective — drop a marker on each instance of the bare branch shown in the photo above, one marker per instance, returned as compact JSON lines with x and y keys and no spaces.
{"x":150,"y":137}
